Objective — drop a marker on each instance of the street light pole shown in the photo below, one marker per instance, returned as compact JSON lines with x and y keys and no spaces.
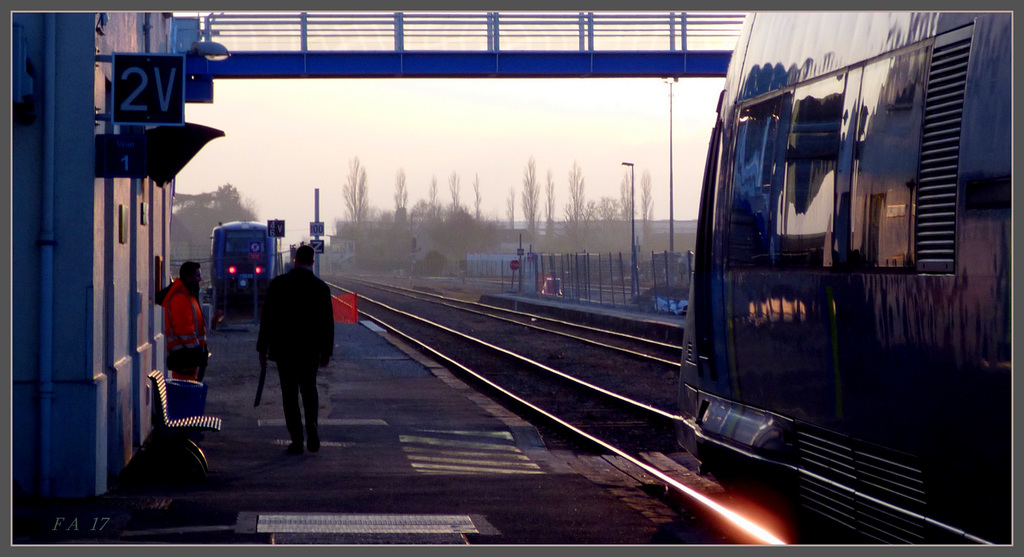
{"x":671,"y":153}
{"x":634,"y":288}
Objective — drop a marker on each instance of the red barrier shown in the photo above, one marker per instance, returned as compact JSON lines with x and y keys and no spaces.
{"x":345,"y":310}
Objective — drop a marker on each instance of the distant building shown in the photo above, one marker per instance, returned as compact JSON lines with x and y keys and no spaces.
{"x":339,"y":252}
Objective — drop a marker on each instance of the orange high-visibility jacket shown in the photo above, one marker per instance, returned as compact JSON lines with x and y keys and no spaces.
{"x":184,"y":325}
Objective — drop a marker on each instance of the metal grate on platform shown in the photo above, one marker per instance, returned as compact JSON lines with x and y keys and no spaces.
{"x":365,"y":524}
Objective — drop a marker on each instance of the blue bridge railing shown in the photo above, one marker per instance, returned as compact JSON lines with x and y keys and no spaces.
{"x":466,"y":31}
{"x":464,"y":44}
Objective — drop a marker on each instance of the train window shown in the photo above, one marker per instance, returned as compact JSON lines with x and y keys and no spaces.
{"x":239,"y":243}
{"x":806,"y":205}
{"x":885,"y":164}
{"x":751,"y":236}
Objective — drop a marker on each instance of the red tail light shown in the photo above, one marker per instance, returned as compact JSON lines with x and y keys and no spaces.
{"x":232,"y":269}
{"x":259,"y":269}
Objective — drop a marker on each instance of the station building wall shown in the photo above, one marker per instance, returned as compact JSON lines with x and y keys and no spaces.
{"x":103,"y":333}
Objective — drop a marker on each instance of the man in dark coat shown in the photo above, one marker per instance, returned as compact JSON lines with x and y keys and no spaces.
{"x":297,"y":332}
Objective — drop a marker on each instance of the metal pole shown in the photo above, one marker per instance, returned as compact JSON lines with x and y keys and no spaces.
{"x":622,"y":278}
{"x":256,"y":282}
{"x":576,"y":275}
{"x":399,"y":32}
{"x":255,"y":295}
{"x":634,"y":291}
{"x":586,"y":265}
{"x":316,"y":218}
{"x":554,"y":275}
{"x":654,"y":275}
{"x":304,"y":32}
{"x":671,"y":204}
{"x":635,"y":288}
{"x":565,"y":274}
{"x":540,"y":256}
{"x":669,"y":283}
{"x":611,"y":278}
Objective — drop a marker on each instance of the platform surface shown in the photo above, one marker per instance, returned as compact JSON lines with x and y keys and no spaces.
{"x":410,"y":455}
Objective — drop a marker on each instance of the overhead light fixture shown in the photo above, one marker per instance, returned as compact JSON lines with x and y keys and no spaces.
{"x":210,"y":50}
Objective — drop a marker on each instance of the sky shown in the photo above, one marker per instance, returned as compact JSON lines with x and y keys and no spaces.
{"x":284,"y":138}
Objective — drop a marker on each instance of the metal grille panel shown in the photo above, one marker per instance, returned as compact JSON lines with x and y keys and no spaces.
{"x":862,"y":474}
{"x":940,"y":152}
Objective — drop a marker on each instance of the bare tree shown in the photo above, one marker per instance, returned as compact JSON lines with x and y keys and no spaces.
{"x":626,"y":196}
{"x":435,"y":206}
{"x":590,"y":214}
{"x":510,"y":207}
{"x":356,"y":194}
{"x":608,"y":209}
{"x":401,"y":192}
{"x":477,"y":198}
{"x":531,"y":196}
{"x":576,"y":209}
{"x":455,"y":188}
{"x":646,"y":204}
{"x":549,"y":231}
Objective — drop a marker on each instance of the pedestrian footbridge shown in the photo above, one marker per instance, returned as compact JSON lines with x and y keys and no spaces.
{"x":454,"y":45}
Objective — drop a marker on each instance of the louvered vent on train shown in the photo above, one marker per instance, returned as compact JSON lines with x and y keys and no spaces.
{"x":940,"y":153}
{"x":871,"y":474}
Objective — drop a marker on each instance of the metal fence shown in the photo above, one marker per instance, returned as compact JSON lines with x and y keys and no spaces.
{"x":470,"y":31}
{"x":663,"y":280}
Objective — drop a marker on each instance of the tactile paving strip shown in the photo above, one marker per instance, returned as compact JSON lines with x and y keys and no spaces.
{"x":365,"y":524}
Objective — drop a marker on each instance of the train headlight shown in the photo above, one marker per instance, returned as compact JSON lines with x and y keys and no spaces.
{"x":746,"y":425}
{"x":232,"y":270}
{"x":259,"y":269}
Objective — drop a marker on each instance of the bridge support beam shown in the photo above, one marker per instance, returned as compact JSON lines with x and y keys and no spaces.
{"x":571,"y":64}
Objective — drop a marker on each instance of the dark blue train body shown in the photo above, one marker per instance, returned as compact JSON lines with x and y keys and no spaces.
{"x":850,"y":313}
{"x":244,"y":257}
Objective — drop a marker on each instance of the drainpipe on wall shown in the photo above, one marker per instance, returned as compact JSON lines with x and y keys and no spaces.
{"x":46,"y":247}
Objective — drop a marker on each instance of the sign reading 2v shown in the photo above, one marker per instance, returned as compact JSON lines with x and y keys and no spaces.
{"x":149,"y":89}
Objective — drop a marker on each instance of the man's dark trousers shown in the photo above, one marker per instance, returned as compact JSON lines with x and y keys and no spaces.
{"x":298,"y":377}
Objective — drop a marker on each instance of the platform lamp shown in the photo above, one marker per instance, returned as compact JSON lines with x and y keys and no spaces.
{"x":634,"y":289}
{"x":210,"y":50}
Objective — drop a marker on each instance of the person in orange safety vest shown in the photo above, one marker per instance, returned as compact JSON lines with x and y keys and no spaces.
{"x":184,"y":325}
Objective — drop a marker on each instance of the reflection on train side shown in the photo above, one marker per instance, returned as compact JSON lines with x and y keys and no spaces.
{"x":777,"y":309}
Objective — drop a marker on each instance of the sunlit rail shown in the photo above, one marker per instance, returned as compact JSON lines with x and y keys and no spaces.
{"x":745,"y":524}
{"x":466,"y":31}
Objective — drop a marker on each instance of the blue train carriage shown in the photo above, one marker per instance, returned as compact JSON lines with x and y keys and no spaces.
{"x":244,"y":258}
{"x":850,"y":323}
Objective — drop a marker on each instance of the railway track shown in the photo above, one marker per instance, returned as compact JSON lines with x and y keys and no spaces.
{"x":585,"y":354}
{"x":598,"y":397}
{"x":655,"y":350}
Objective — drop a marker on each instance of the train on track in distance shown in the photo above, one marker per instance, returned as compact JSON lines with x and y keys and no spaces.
{"x":245,"y":260}
{"x":849,"y":330}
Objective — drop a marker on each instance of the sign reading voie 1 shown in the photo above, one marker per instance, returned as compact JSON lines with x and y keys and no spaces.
{"x":120,"y":156}
{"x":148,"y":89}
